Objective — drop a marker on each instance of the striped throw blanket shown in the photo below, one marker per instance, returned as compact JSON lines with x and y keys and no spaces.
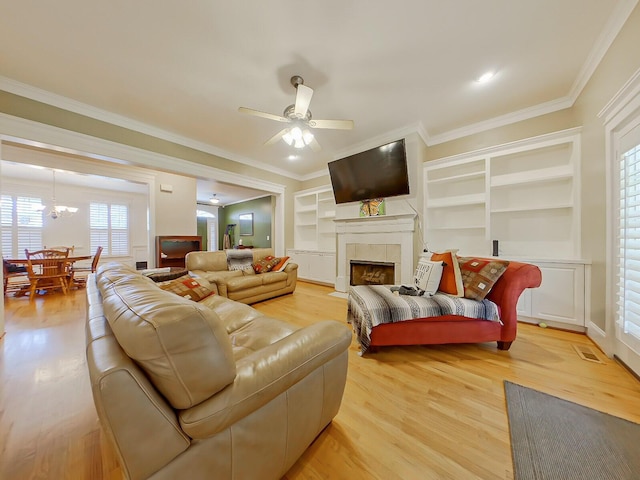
{"x":372,"y":305}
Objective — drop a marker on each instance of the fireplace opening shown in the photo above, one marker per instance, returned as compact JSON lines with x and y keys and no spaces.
{"x":364,"y":272}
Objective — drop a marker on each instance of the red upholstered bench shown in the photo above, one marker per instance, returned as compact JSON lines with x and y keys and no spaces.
{"x":457,"y":328}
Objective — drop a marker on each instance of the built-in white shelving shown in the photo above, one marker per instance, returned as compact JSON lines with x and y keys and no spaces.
{"x":524,"y":194}
{"x":315,"y":235}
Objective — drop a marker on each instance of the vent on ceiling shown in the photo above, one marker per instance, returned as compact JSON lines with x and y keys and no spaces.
{"x":586,"y":353}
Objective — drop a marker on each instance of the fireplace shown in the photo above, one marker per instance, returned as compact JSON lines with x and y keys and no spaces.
{"x":383,"y":239}
{"x":363,"y":272}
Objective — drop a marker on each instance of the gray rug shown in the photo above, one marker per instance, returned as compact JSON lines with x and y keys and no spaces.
{"x":555,"y":439}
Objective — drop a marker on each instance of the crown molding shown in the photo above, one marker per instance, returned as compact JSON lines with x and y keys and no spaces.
{"x":615,"y":23}
{"x":65,"y":103}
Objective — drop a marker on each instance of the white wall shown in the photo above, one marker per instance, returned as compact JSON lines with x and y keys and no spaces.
{"x":175,"y":211}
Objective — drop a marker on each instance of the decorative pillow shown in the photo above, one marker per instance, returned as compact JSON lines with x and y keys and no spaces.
{"x":479,"y":275}
{"x":451,"y":281}
{"x":265,"y":264}
{"x":188,"y":287}
{"x":428,"y":275}
{"x":282,"y":263}
{"x":240,"y":260}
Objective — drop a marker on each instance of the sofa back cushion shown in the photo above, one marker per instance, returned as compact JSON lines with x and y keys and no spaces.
{"x":213,"y":261}
{"x":181,"y":345}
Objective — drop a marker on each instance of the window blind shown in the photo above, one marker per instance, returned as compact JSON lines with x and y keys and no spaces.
{"x":109,"y":228}
{"x":629,"y":247}
{"x":21,"y":225}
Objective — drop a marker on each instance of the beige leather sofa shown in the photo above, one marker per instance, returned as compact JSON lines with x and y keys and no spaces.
{"x":212,"y":389}
{"x":243,"y":286}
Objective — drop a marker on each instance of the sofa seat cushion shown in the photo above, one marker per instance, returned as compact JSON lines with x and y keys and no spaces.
{"x":258,"y":334}
{"x":245,"y":282}
{"x":273,"y":277}
{"x":181,"y":345}
{"x":233,"y":315}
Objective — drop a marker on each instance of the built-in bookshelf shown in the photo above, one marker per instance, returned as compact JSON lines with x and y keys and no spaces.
{"x":314,"y":227}
{"x":525,"y":195}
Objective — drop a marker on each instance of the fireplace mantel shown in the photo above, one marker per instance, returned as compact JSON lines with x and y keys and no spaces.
{"x":376,"y":231}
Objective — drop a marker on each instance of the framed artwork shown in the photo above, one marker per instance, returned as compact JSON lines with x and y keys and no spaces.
{"x":245,"y":223}
{"x":372,"y":208}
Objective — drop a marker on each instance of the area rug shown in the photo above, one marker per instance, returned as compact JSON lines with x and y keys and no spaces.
{"x":556,"y":439}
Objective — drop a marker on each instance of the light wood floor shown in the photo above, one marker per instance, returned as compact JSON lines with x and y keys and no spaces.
{"x":407,"y":413}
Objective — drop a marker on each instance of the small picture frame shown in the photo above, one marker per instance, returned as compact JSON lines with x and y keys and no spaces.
{"x":245,"y":224}
{"x":373,"y":207}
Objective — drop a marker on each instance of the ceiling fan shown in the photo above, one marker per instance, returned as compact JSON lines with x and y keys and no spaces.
{"x":298,"y":116}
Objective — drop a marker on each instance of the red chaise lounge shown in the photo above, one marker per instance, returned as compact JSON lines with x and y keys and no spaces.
{"x":455,"y":328}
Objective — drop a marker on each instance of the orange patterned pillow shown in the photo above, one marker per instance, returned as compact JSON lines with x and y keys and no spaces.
{"x":479,"y":275}
{"x":188,"y":287}
{"x":451,"y":281}
{"x":265,"y":264}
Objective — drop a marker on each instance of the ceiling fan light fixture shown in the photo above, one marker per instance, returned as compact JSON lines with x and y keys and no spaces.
{"x":307,"y":136}
{"x":215,"y":200}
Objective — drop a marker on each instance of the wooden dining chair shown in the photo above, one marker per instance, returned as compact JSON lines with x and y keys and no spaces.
{"x":85,"y":271}
{"x":14,"y":277}
{"x":47,"y":270}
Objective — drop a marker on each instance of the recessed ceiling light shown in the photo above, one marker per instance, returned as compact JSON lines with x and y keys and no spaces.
{"x":293,"y":157}
{"x":485,"y":77}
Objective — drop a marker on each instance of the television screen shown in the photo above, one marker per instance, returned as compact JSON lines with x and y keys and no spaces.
{"x":377,"y":173}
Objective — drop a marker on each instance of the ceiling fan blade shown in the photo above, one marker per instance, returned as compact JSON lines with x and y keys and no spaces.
{"x":314,"y":145}
{"x":276,"y":137}
{"x":303,"y":99}
{"x":336,"y":124}
{"x":258,"y":113}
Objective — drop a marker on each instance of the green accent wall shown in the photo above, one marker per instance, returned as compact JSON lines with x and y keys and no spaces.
{"x":262,"y":209}
{"x":202,"y":231}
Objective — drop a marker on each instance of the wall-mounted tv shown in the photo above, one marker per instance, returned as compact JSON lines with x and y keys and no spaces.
{"x":377,"y":173}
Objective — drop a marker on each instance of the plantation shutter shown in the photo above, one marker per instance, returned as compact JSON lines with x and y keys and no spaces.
{"x":109,"y":225}
{"x":119,"y":230}
{"x":6,"y":215}
{"x":629,"y":240}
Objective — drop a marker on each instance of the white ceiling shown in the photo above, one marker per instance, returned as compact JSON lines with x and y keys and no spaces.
{"x":180,"y":70}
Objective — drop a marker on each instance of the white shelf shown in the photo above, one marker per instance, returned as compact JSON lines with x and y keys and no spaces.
{"x":472,"y":199}
{"x":531,"y":209}
{"x":455,"y":178}
{"x":533,"y":176}
{"x":465,"y":227}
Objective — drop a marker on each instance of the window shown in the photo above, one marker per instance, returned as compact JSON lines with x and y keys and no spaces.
{"x":629,"y":239}
{"x":21,"y":225}
{"x":109,"y":224}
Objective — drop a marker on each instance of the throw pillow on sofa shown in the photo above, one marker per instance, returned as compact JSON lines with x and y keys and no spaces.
{"x":451,"y":281}
{"x":427,"y":276}
{"x":188,"y":287}
{"x":265,"y":264}
{"x":282,"y":263}
{"x":479,"y":275}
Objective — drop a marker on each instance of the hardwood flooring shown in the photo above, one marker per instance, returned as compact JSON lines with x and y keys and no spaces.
{"x":408,"y":412}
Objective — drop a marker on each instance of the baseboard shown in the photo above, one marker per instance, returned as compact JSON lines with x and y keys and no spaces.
{"x":599,"y":337}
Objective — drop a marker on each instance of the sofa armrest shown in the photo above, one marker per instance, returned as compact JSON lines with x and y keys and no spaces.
{"x":507,"y":290}
{"x":265,"y":374}
{"x":131,"y":411}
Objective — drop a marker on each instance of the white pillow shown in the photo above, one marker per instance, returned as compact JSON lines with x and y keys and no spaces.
{"x":427,"y":276}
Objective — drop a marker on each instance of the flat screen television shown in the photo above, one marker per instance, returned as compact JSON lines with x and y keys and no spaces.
{"x":377,"y":173}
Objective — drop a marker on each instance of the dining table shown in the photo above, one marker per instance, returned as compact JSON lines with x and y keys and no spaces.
{"x":66,"y":262}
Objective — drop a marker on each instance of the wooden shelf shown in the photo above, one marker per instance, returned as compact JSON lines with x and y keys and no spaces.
{"x":172,"y":249}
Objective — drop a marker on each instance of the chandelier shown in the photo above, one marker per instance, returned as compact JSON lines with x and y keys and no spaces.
{"x":56,"y":211}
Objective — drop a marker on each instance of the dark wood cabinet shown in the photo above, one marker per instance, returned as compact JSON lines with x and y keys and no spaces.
{"x":171,"y":249}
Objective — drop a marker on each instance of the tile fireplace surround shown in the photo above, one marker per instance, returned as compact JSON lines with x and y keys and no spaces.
{"x":386,"y":238}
